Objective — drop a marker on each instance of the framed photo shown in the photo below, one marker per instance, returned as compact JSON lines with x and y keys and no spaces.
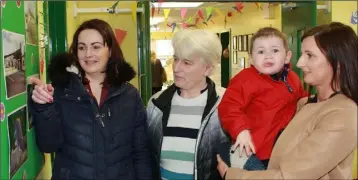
{"x":234,"y":42}
{"x":234,"y":57}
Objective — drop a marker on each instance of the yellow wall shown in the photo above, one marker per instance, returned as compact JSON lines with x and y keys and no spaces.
{"x":251,"y":20}
{"x":122,"y":21}
{"x":342,"y":12}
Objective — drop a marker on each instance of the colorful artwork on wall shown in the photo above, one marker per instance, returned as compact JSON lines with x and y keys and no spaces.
{"x":30,"y":22}
{"x":14,"y":63}
{"x":17,"y":139}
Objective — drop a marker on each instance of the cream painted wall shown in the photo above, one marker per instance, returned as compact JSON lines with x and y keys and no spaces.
{"x":342,"y":12}
{"x":122,"y":21}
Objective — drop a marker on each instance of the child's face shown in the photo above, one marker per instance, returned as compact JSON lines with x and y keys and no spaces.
{"x":269,"y":55}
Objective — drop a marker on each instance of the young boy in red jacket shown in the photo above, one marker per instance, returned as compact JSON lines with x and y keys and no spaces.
{"x":261,"y":100}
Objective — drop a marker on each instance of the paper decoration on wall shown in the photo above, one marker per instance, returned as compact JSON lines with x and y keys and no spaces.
{"x":2,"y":112}
{"x":200,"y":14}
{"x":166,"y":13}
{"x":184,"y":25}
{"x":160,"y":5}
{"x":120,"y":35}
{"x":208,"y":11}
{"x":14,"y":63}
{"x":17,"y":139}
{"x":153,"y":10}
{"x":174,"y":25}
{"x":18,"y":3}
{"x":209,"y":17}
{"x":212,"y":21}
{"x":354,"y":17}
{"x":217,"y":11}
{"x":229,"y":14}
{"x":134,"y":12}
{"x":190,"y":20}
{"x":3,"y":3}
{"x":205,"y":23}
{"x":239,"y":6}
{"x":183,"y":12}
{"x":259,"y":6}
{"x":196,"y":21}
{"x":30,"y":22}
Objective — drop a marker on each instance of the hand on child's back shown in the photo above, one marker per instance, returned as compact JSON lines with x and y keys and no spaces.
{"x":244,"y":141}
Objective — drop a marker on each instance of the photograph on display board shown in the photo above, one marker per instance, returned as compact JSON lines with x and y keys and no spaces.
{"x":17,"y":139}
{"x":30,"y":22}
{"x":14,"y":63}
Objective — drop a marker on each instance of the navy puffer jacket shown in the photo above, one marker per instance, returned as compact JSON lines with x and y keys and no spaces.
{"x":91,"y":142}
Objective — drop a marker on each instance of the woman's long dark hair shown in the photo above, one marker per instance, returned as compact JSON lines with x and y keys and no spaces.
{"x":339,"y":43}
{"x":117,"y":71}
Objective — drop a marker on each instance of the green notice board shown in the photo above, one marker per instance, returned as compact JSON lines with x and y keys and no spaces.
{"x":19,"y":54}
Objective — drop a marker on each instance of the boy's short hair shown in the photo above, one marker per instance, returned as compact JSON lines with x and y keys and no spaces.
{"x":268,"y":32}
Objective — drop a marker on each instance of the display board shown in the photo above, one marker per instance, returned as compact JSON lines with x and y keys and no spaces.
{"x":20,"y":46}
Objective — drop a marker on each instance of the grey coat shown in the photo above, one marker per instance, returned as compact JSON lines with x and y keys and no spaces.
{"x":210,"y":134}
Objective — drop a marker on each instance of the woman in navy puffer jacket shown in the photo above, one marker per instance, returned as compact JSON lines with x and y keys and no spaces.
{"x":89,"y":115}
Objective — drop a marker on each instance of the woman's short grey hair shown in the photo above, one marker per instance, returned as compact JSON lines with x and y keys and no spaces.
{"x":202,"y":43}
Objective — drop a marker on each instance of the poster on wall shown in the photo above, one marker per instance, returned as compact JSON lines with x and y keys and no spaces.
{"x":14,"y":63}
{"x":17,"y":139}
{"x":30,"y":22}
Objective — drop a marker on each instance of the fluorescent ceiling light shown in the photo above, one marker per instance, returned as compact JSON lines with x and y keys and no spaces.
{"x":178,"y":4}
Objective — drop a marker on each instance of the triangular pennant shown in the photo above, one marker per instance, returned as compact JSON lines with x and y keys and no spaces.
{"x":212,"y":21}
{"x":174,"y":25}
{"x":196,"y":20}
{"x":259,"y":6}
{"x":200,"y":14}
{"x":209,"y":17}
{"x":153,"y":10}
{"x":190,"y":20}
{"x":218,"y":11}
{"x":209,"y":11}
{"x":183,"y":12}
{"x":134,"y":12}
{"x":205,"y":23}
{"x":239,"y":7}
{"x":120,"y":35}
{"x":184,"y":25}
{"x":159,"y":5}
{"x":166,"y":13}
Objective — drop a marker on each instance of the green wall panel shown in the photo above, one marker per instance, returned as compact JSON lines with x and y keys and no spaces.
{"x":24,"y":155}
{"x":294,"y":22}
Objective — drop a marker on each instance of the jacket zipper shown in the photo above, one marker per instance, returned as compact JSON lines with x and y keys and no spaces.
{"x":200,"y":133}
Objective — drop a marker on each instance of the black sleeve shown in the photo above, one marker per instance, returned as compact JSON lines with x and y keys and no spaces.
{"x":47,"y":125}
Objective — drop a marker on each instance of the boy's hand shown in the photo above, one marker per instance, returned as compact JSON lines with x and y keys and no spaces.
{"x":244,"y":141}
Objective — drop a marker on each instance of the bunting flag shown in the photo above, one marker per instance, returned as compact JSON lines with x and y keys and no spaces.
{"x":160,"y":5}
{"x":169,"y":25}
{"x":184,"y":25}
{"x":209,"y":11}
{"x":259,"y":6}
{"x":209,"y":17}
{"x":153,"y":10}
{"x":212,"y":21}
{"x":120,"y":35}
{"x":196,"y":21}
{"x":134,"y":12}
{"x":174,"y":25}
{"x":225,"y":21}
{"x":200,"y":14}
{"x":205,"y":23}
{"x":218,"y":12}
{"x":190,"y":20}
{"x":183,"y":12}
{"x":239,"y":7}
{"x":166,"y":13}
